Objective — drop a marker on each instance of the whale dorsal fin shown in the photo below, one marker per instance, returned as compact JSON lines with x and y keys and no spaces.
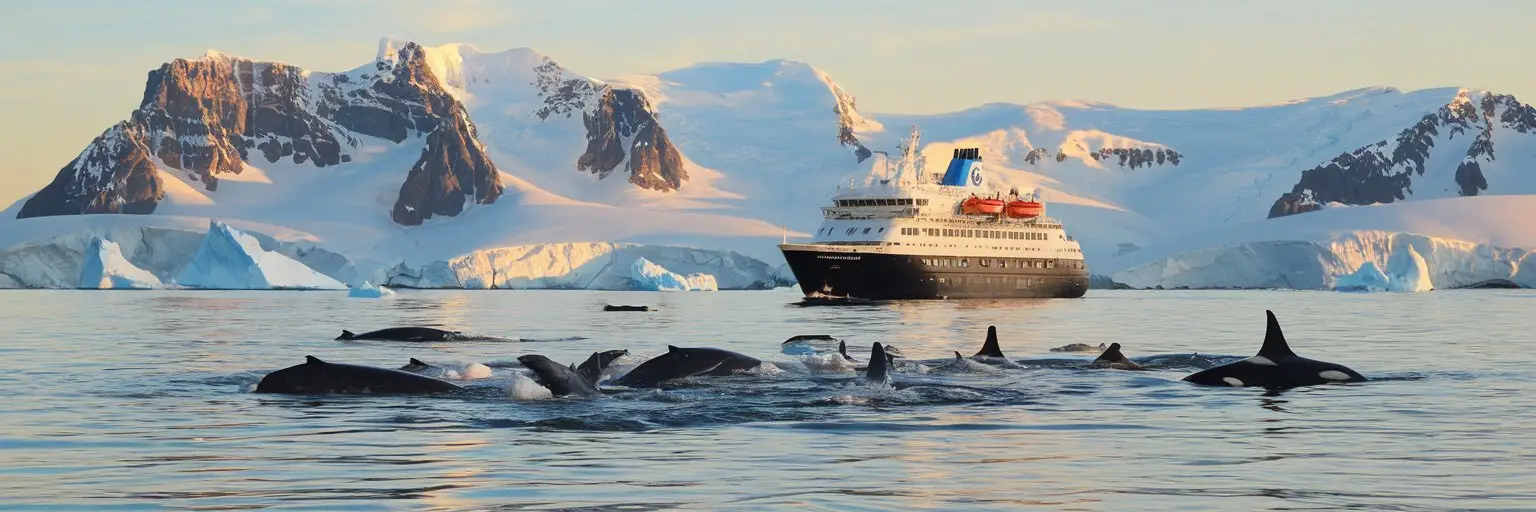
{"x":1112,"y":354}
{"x":879,"y":364}
{"x":990,"y":348}
{"x":418,"y":362}
{"x":1274,"y":340}
{"x":957,"y":355}
{"x":312,"y":360}
{"x":842,"y":348}
{"x":346,"y":335}
{"x":672,"y":348}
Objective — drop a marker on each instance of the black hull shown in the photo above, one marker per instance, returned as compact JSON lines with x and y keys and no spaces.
{"x":875,"y":276}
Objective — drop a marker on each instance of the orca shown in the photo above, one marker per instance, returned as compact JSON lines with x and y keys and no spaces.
{"x":592,"y":368}
{"x":809,"y":337}
{"x":401,"y":334}
{"x":679,"y":362}
{"x":1112,"y":358}
{"x":611,"y":307}
{"x":990,"y":348}
{"x":559,"y":380}
{"x":1275,"y":366}
{"x":316,"y":377}
{"x":879,"y":371}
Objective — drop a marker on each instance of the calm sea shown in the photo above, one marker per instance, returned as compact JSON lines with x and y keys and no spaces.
{"x":129,"y":400}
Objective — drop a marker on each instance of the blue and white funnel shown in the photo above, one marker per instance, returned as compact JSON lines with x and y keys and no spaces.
{"x":964,"y":169}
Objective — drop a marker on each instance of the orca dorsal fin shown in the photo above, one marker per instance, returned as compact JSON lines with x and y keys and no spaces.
{"x":418,"y":362}
{"x":312,"y":360}
{"x":842,"y":348}
{"x":990,"y":348}
{"x":346,"y":335}
{"x":957,"y":355}
{"x":1274,"y":340}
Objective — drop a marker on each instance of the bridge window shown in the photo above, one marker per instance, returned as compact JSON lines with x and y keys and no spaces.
{"x":850,"y":231}
{"x":866,"y":231}
{"x":922,"y":202}
{"x":965,"y":262}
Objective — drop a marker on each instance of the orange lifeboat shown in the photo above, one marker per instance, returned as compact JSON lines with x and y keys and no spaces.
{"x":978,"y":206}
{"x":1025,"y":209}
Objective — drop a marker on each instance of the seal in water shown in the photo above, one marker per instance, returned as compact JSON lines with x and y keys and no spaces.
{"x":1112,"y":358}
{"x":592,"y":368}
{"x":879,"y":371}
{"x":316,"y":377}
{"x":1275,"y":366}
{"x":560,"y":380}
{"x":678,"y":363}
{"x":611,"y":307}
{"x":401,"y":334}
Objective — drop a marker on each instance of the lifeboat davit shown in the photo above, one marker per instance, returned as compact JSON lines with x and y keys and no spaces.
{"x":979,"y":206}
{"x":1025,"y":209}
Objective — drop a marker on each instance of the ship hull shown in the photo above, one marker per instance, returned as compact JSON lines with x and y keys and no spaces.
{"x":881,"y":276}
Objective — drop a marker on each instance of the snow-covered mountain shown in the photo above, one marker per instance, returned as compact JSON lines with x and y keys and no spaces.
{"x":427,"y":156}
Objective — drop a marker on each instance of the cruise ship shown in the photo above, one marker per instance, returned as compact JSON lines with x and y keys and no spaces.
{"x":910,"y":235}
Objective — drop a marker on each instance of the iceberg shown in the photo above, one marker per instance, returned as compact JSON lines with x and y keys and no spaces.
{"x":369,"y":291}
{"x":580,"y":266}
{"x":652,"y":277}
{"x":1358,"y":261}
{"x":105,"y":268}
{"x":230,"y":259}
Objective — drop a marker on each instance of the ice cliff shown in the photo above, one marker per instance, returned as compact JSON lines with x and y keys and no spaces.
{"x":581,"y":266}
{"x":1351,"y":260}
{"x":652,"y":277}
{"x":230,"y":259}
{"x":104,"y":267}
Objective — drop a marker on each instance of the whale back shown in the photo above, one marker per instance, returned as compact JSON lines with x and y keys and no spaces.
{"x":316,"y":376}
{"x":990,"y":348}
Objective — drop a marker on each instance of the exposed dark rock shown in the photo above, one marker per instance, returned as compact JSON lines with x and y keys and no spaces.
{"x":1103,"y":282}
{"x":452,"y":166}
{"x":846,"y":107}
{"x":205,"y":116}
{"x":113,"y":175}
{"x":1385,"y":171}
{"x":1136,"y":157}
{"x":622,"y":129}
{"x":1035,"y":155}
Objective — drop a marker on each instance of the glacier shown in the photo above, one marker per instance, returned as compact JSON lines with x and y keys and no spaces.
{"x":652,"y":277}
{"x":230,"y":259}
{"x":104,"y":268}
{"x":1414,"y":246}
{"x":1406,"y":272}
{"x":580,"y":266}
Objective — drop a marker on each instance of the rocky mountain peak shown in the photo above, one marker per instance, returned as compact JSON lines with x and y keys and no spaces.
{"x":1386,"y":171}
{"x":206,"y":117}
{"x":623,"y":129}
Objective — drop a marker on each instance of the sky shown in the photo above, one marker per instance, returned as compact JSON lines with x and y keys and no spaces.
{"x":71,"y":69}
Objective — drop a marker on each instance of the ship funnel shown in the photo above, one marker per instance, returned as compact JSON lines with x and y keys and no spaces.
{"x":964,"y":169}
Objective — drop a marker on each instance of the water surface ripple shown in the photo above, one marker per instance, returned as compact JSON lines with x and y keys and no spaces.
{"x":130,"y":400}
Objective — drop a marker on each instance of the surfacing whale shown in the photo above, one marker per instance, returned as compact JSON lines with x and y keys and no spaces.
{"x":592,"y":368}
{"x":1112,"y":358}
{"x":1275,"y":366}
{"x":679,"y":362}
{"x":316,"y":377}
{"x":401,"y":334}
{"x":559,"y":380}
{"x":879,"y":371}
